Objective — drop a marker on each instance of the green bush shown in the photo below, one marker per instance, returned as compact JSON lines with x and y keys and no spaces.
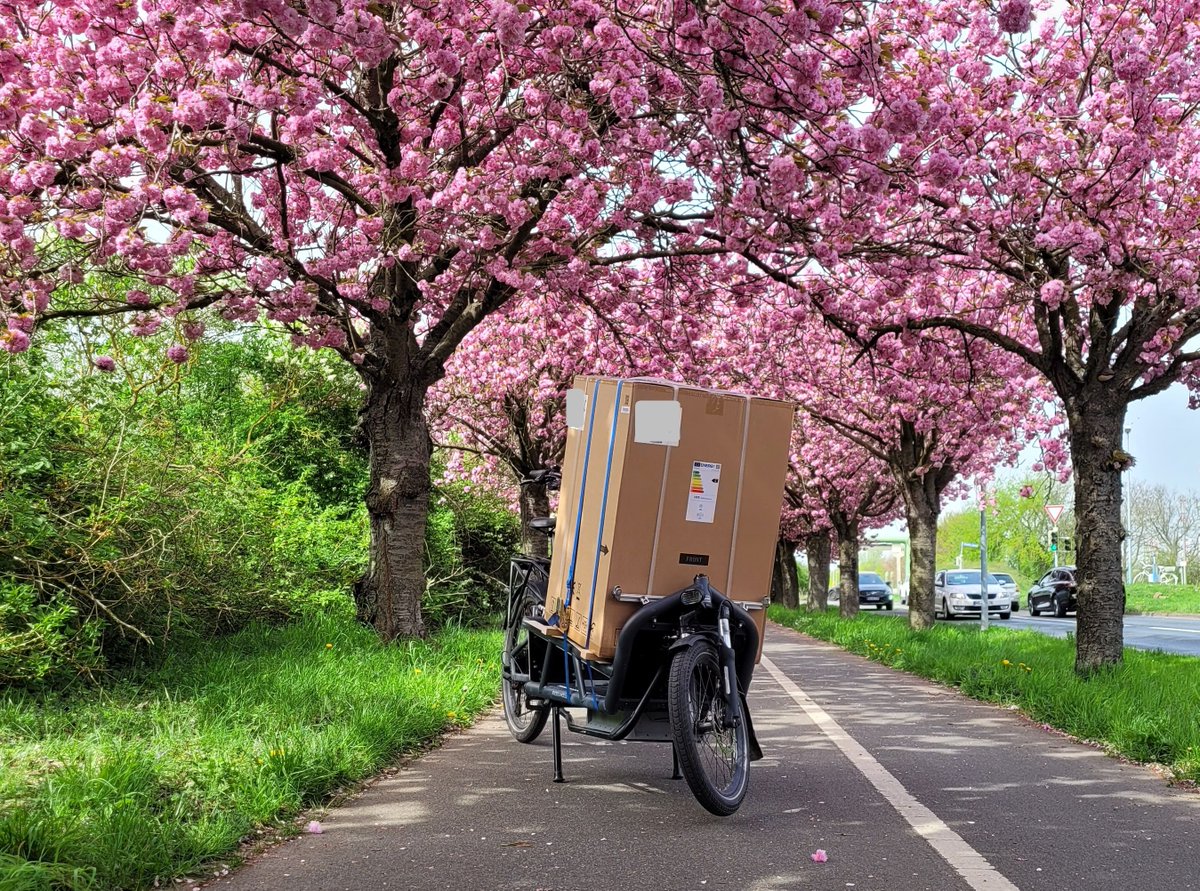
{"x":470,"y":537}
{"x":160,"y":501}
{"x":43,"y":642}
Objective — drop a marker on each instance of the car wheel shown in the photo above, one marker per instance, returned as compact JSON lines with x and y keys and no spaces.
{"x":1060,"y":608}
{"x":946,"y":609}
{"x":1033,"y":611}
{"x":1006,"y":615}
{"x":890,"y":606}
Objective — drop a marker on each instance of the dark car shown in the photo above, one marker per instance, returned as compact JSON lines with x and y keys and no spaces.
{"x":1054,"y":593}
{"x":874,"y":591}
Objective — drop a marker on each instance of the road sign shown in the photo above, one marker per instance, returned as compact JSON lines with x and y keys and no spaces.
{"x":1054,"y":511}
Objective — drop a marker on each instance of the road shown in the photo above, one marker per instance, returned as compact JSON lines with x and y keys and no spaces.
{"x":905,"y":784}
{"x":1173,"y":634}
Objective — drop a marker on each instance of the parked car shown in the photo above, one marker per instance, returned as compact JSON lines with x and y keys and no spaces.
{"x":874,"y":591}
{"x":1009,"y":586}
{"x":956,"y":592}
{"x":1054,"y":593}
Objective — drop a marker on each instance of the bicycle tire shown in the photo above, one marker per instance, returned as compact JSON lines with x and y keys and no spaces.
{"x":715,"y":760}
{"x":525,"y":722}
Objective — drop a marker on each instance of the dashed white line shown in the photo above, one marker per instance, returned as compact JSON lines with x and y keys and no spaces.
{"x":1181,"y":630}
{"x":965,"y":860}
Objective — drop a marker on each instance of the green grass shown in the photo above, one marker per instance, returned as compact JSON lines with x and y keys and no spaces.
{"x":1144,"y":709}
{"x":1146,"y":598}
{"x":158,"y":773}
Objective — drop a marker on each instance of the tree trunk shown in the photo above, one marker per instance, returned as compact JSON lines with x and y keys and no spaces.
{"x":922,"y":542}
{"x":389,"y":595}
{"x":1095,"y":430}
{"x":785,"y":586}
{"x":817,"y":548}
{"x":848,"y":569}
{"x":535,"y":502}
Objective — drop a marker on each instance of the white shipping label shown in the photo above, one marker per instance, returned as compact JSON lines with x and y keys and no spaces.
{"x":576,"y":408}
{"x":702,"y":498}
{"x":657,"y":421}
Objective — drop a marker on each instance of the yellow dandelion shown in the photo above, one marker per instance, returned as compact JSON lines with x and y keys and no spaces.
{"x":329,"y":646}
{"x":416,"y":671}
{"x":1005,"y":662}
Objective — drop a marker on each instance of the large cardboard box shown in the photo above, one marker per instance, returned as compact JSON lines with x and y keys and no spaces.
{"x":662,"y":481}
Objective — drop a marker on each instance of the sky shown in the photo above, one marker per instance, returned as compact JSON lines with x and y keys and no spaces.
{"x":1164,"y":439}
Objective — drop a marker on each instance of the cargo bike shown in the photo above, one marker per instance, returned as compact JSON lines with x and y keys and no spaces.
{"x":649,"y":614}
{"x":679,"y":675}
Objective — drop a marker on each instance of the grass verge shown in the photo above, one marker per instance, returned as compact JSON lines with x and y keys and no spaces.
{"x":1144,"y":709}
{"x":160,"y":772}
{"x":1144,"y":597}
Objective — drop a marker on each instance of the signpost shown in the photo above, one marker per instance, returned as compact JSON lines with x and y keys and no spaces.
{"x":1054,"y":512}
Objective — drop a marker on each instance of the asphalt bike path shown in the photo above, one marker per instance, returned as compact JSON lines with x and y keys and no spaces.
{"x":905,"y":785}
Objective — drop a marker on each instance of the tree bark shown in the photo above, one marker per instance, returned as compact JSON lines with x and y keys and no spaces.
{"x":817,"y":548}
{"x":785,"y":586}
{"x":535,"y":502}
{"x":922,"y":517}
{"x":389,"y":595}
{"x":1096,"y":436}
{"x":848,"y":570}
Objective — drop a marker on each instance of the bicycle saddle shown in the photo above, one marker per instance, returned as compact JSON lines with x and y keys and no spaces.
{"x":543,"y":524}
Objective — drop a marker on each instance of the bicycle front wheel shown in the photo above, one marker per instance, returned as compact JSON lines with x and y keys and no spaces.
{"x":713,"y":752}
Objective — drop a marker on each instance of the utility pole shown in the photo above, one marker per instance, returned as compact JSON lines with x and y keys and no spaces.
{"x":983,"y":585}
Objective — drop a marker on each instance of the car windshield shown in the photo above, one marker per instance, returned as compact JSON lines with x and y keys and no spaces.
{"x":869,"y":578}
{"x":1003,"y":577}
{"x":968,"y":577}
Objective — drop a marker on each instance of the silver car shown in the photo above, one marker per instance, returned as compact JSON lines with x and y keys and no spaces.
{"x":1009,"y":586}
{"x":956,"y":592}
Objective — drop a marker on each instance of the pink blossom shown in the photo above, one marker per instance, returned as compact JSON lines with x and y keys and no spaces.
{"x":819,"y":856}
{"x":177,"y":353}
{"x":104,"y":363}
{"x":314,"y":827}
{"x":1015,"y":16}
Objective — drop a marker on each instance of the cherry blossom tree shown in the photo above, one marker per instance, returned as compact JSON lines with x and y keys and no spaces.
{"x":502,"y":400}
{"x":1048,"y":152}
{"x":1053,"y":157}
{"x":377,"y":176}
{"x":933,"y":409}
{"x":855,"y":492}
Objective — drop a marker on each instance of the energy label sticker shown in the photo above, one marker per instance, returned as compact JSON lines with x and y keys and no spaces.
{"x":702,"y":498}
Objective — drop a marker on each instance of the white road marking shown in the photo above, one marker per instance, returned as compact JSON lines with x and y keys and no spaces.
{"x":965,"y":860}
{"x":1164,"y":628}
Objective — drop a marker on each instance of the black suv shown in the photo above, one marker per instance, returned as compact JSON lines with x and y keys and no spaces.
{"x":1054,"y":593}
{"x":874,"y":591}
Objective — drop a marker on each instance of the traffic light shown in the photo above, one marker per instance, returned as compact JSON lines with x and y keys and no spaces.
{"x":1068,"y":544}
{"x":1053,"y":540}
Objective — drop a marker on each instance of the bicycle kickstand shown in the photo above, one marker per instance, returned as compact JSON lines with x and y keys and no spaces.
{"x":556,"y":739}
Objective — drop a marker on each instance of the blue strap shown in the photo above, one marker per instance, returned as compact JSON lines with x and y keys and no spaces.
{"x":612,"y":442}
{"x":587,"y":454}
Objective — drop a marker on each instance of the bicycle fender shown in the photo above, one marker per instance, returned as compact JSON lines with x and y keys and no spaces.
{"x":756,"y":752}
{"x":692,"y":639}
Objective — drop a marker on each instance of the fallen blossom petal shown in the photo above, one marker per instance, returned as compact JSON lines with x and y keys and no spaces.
{"x":819,"y":856}
{"x":314,"y":827}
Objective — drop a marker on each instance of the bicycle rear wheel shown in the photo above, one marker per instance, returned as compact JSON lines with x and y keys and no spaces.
{"x":714,"y":755}
{"x":525,"y":721}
